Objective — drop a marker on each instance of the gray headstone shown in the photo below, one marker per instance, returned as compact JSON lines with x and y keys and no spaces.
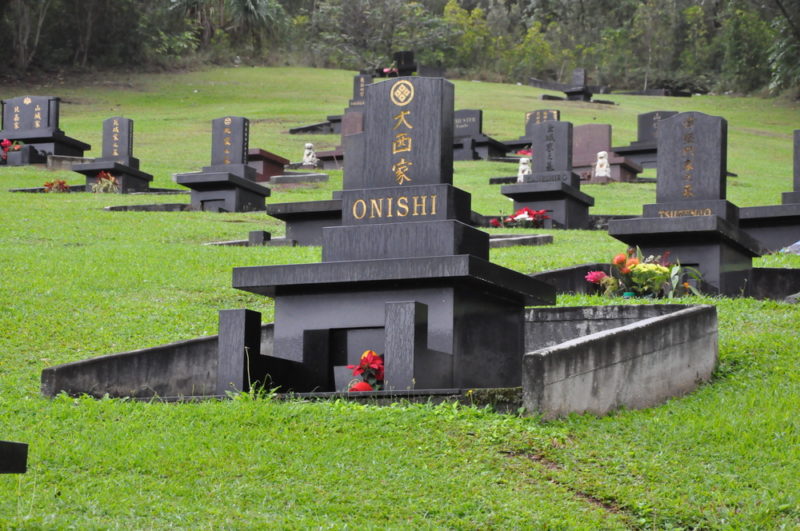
{"x":468,"y":122}
{"x":117,"y":138}
{"x":30,"y":114}
{"x":551,"y":143}
{"x":648,"y":124}
{"x":692,"y":158}
{"x":408,"y":124}
{"x":579,"y":77}
{"x":353,"y":178}
{"x":229,"y":140}
{"x":588,"y":140}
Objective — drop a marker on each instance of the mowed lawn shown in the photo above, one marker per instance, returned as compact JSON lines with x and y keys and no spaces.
{"x":78,"y":281}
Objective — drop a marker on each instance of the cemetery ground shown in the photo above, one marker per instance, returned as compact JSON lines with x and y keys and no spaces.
{"x":80,"y":282}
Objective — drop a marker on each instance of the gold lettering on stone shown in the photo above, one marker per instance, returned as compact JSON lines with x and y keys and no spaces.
{"x":685,"y":213}
{"x":419,"y":205}
{"x":402,"y":206}
{"x":389,"y":201}
{"x":376,"y":208}
{"x":359,"y":209}
{"x":433,"y":205}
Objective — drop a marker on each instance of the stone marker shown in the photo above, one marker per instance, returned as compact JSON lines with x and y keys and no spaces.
{"x":691,"y":218}
{"x":532,"y":118}
{"x":117,"y":159}
{"x":227,"y":185}
{"x":644,"y":150}
{"x":34,"y":121}
{"x":552,"y":185}
{"x":404,"y":274}
{"x":469,"y":142}
{"x":13,"y":457}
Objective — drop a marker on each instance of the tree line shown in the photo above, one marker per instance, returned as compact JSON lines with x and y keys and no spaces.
{"x":699,"y":45}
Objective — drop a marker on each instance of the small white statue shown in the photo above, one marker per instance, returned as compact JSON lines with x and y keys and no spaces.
{"x":602,"y":168}
{"x":523,"y":169}
{"x":309,"y":157}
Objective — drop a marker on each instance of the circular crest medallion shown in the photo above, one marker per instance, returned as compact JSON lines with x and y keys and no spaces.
{"x":402,"y":93}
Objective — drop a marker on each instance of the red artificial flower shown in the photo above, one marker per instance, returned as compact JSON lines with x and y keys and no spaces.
{"x":360,"y":386}
{"x":5,"y":144}
{"x":595,"y":277}
{"x":619,"y":259}
{"x":525,"y":152}
{"x":631,"y":262}
{"x":494,"y":222}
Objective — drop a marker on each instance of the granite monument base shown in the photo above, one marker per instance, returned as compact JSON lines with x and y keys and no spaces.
{"x":223,"y":192}
{"x":441,"y":321}
{"x":129,"y":179}
{"x":305,"y":220}
{"x":718,"y":249}
{"x":568,"y":206}
{"x":775,"y":226}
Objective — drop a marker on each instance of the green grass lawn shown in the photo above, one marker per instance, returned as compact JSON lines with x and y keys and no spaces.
{"x":78,"y":282}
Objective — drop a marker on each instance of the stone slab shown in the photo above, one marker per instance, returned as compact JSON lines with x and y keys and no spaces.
{"x":214,"y":181}
{"x":635,"y":366}
{"x":269,"y":280}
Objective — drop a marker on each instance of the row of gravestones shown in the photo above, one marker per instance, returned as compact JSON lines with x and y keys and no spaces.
{"x":405,"y":274}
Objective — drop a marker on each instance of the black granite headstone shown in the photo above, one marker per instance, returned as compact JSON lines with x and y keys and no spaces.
{"x":404,"y":273}
{"x":541,"y":115}
{"x":117,"y":159}
{"x":360,"y":83}
{"x":118,"y":138}
{"x":579,"y":77}
{"x":404,"y":144}
{"x":34,"y":121}
{"x":648,"y":124}
{"x":228,"y":184}
{"x":691,"y":218}
{"x":644,"y":150}
{"x":468,"y":122}
{"x":552,"y":185}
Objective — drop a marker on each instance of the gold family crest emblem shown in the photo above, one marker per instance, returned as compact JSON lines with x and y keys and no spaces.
{"x":27,"y":100}
{"x":402,"y":93}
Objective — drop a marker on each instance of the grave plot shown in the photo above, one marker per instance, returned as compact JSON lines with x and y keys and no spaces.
{"x":531,"y":118}
{"x":469,"y":142}
{"x":776,"y":226}
{"x":403,"y":266}
{"x":691,"y":218}
{"x":117,"y":161}
{"x":266,"y":164}
{"x":552,"y":185}
{"x":226,"y":185}
{"x":31,"y":123}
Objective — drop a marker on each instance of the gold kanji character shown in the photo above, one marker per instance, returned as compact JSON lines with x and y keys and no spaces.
{"x":401,"y":169}
{"x":402,"y":142}
{"x":400,"y":119}
{"x":687,"y":190}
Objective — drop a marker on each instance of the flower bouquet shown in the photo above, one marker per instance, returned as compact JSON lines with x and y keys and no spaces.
{"x":7,"y":145}
{"x":524,"y":217}
{"x":56,"y":186}
{"x":370,"y":370}
{"x":106,"y":183}
{"x":654,"y":276}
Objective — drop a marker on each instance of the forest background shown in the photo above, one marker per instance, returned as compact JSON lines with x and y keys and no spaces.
{"x":741,"y":46}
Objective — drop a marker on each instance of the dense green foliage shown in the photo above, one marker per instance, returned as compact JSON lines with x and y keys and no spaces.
{"x":80,"y":282}
{"x":698,"y":45}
